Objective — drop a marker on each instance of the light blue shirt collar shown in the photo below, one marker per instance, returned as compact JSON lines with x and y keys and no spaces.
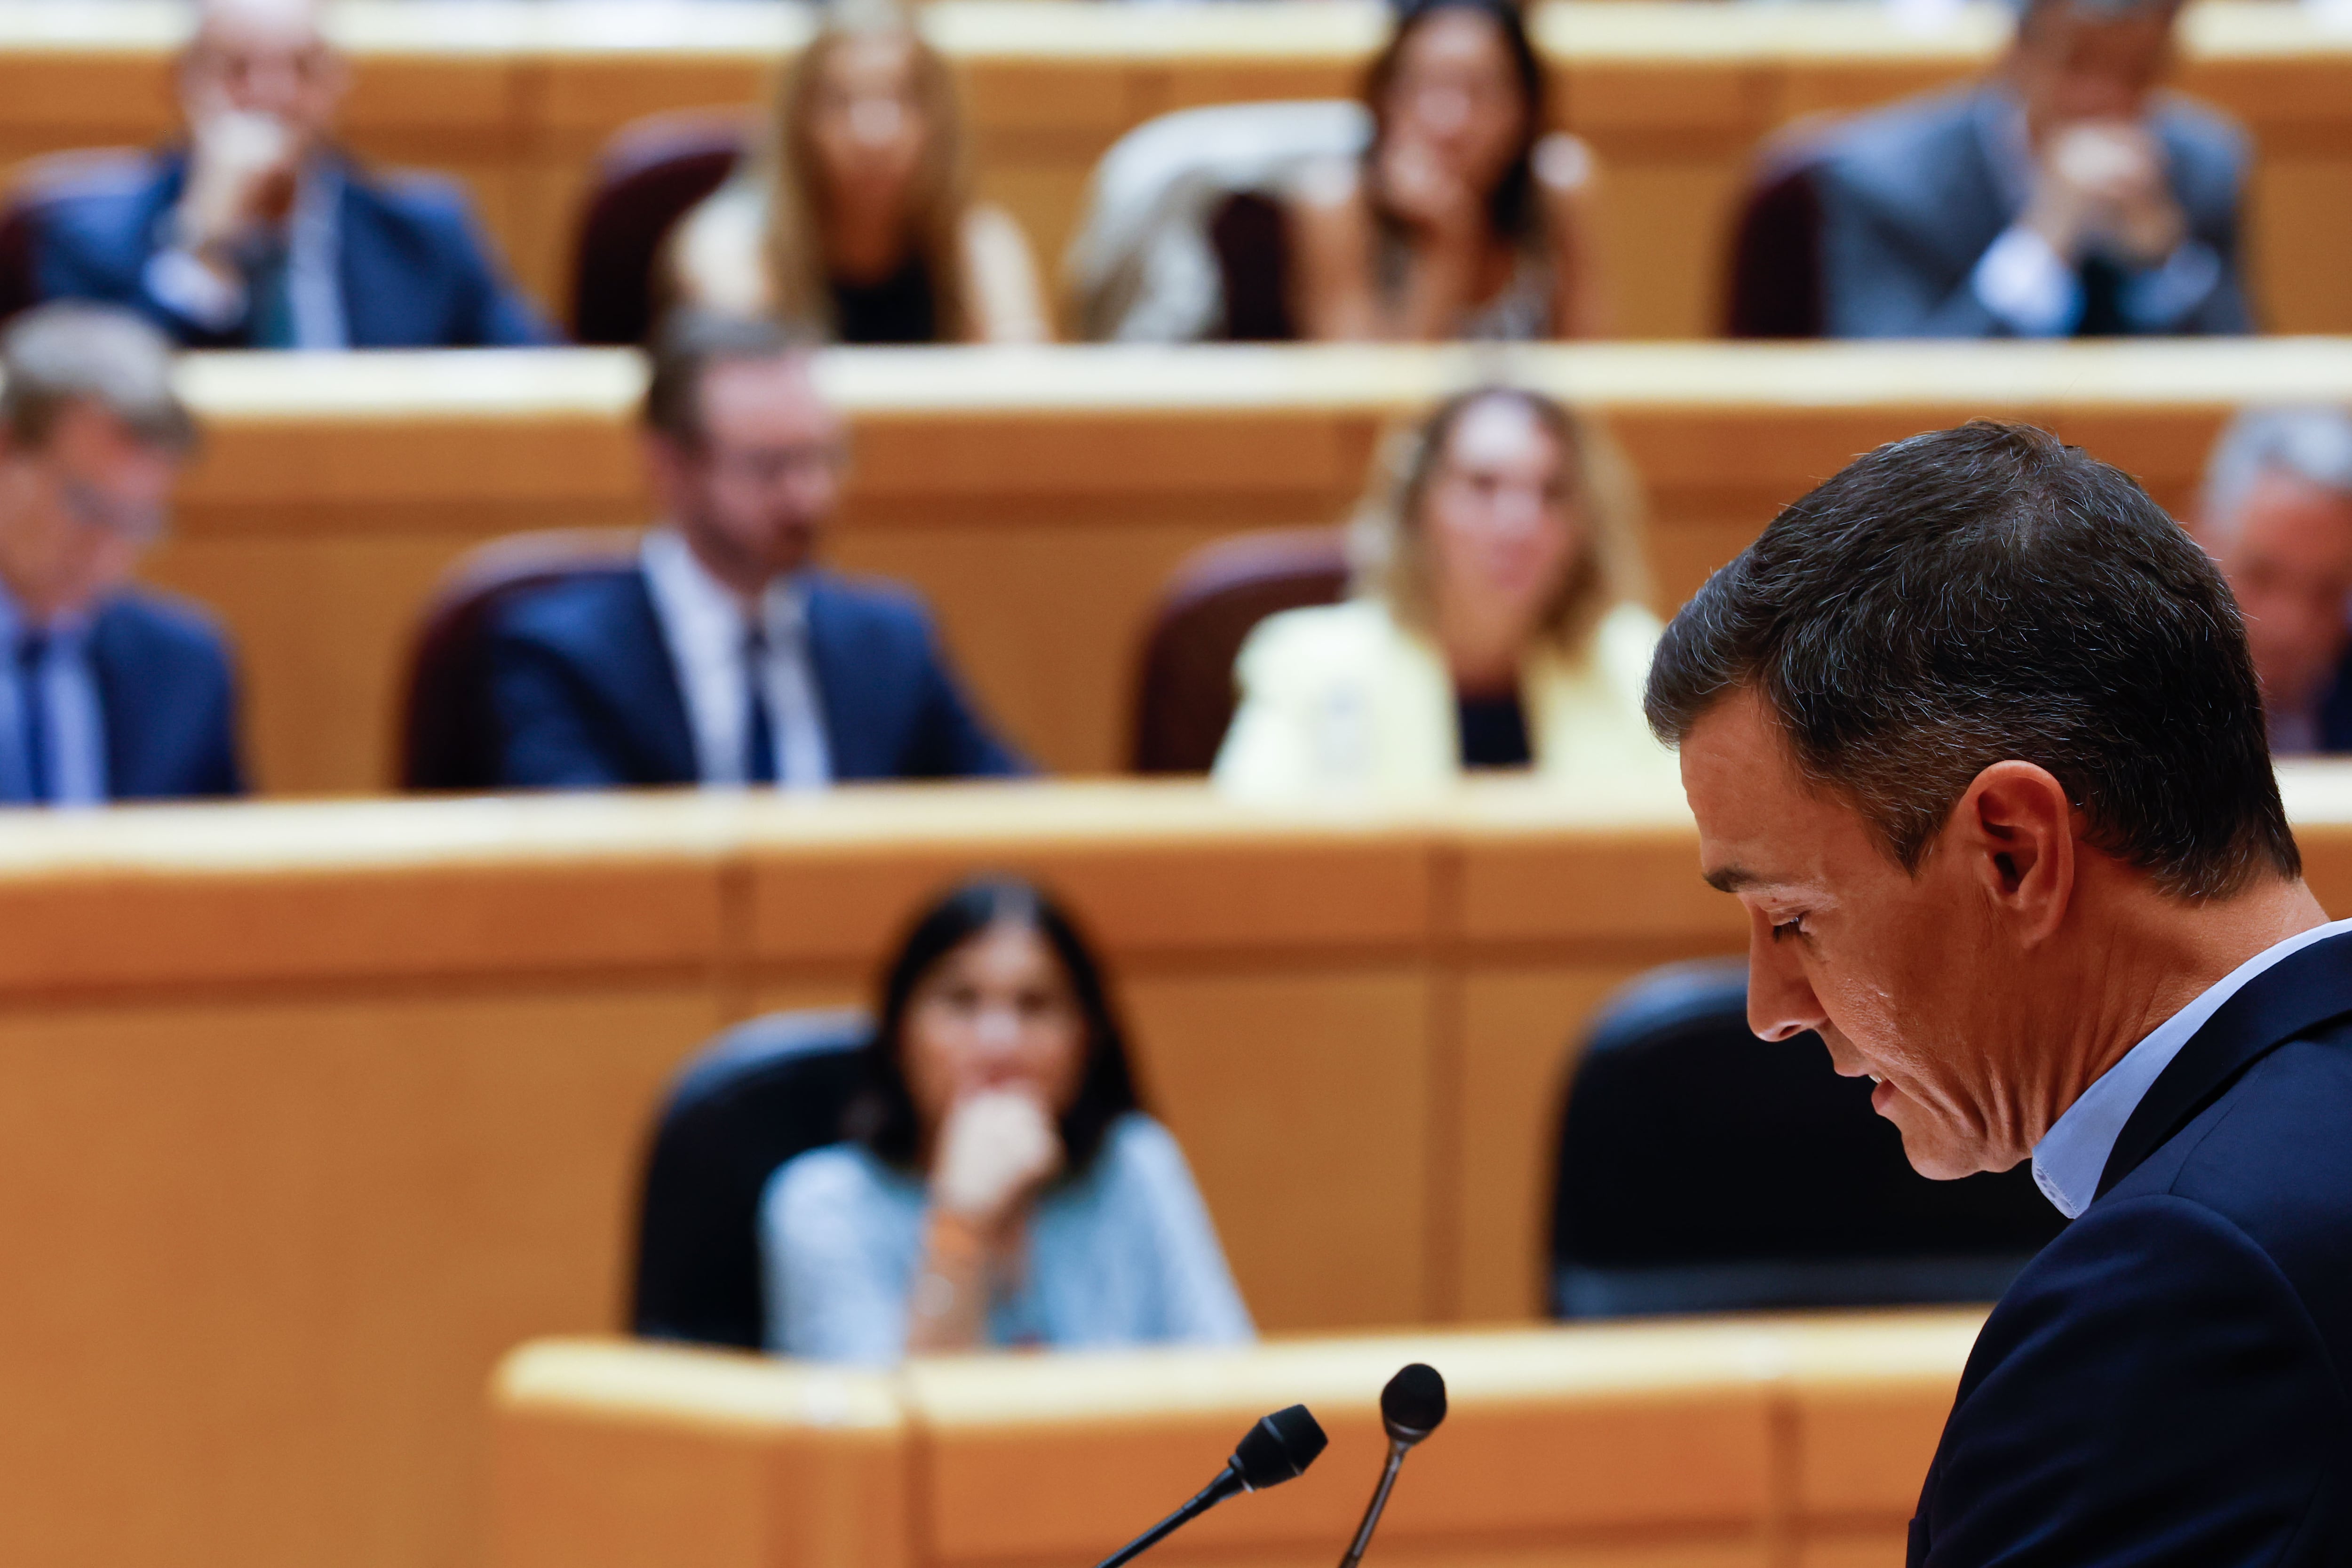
{"x":2073,"y":1155}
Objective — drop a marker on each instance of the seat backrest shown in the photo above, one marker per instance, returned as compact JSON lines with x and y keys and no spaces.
{"x":37,"y":183}
{"x":1702,"y":1169}
{"x":1142,"y":265}
{"x":650,"y":174}
{"x":447,"y":740}
{"x":752,"y":1099}
{"x":1185,"y":680}
{"x":1773,"y":284}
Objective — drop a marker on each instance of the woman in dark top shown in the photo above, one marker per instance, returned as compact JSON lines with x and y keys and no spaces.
{"x":855,"y":217}
{"x":1462,"y":219}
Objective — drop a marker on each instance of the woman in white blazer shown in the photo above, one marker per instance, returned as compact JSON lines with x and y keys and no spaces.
{"x":1497,"y":622}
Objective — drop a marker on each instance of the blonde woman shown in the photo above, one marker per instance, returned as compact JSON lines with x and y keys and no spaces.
{"x":1496,"y":623}
{"x":856,"y":216}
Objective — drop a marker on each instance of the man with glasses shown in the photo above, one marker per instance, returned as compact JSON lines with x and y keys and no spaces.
{"x":723,"y":656}
{"x":107,"y":692}
{"x":259,"y":233}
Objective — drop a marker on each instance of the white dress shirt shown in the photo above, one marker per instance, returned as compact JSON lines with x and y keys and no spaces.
{"x":314,"y":290}
{"x":65,"y":685}
{"x":2071,"y":1157}
{"x":703,"y":623}
{"x":2038,"y":292}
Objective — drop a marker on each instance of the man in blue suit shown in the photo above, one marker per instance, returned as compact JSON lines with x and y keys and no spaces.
{"x":2064,"y":197}
{"x":2277,"y":518}
{"x":723,"y":655}
{"x":259,"y":233}
{"x":1972,"y":733}
{"x":107,"y":692}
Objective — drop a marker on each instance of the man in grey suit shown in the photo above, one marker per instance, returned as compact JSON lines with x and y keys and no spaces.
{"x":2063,"y":197}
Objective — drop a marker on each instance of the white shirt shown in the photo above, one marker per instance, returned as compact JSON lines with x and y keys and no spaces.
{"x":2036,"y":291}
{"x":65,"y":685}
{"x":2071,"y":1157}
{"x":702,"y":621}
{"x":314,"y":292}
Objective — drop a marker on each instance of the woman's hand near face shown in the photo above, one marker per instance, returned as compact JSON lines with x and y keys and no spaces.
{"x":996,"y":1149}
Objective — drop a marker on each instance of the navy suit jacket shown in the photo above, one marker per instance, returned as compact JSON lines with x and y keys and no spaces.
{"x":584,"y":693}
{"x":168,"y":697}
{"x":2166,"y":1384}
{"x":415,"y":270}
{"x":1911,"y":201}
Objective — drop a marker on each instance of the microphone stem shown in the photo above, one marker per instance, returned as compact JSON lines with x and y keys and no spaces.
{"x":1380,"y":1501}
{"x":1228,"y":1482}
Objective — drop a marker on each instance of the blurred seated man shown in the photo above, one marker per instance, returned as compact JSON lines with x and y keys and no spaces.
{"x":2277,"y":519}
{"x":261,"y":233}
{"x":108,"y":693}
{"x":2061,"y":199}
{"x":725,"y":658}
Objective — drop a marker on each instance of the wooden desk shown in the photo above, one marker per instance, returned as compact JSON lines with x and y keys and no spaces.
{"x":515,"y":96}
{"x":1767,"y":1441}
{"x":1040,"y":498}
{"x":308,"y":1112}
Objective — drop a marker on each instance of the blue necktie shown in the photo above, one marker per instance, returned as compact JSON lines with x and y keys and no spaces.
{"x":33,"y":708}
{"x":759,"y":729}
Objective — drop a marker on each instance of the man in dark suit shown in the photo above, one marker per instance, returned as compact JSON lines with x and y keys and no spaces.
{"x":2064,"y":197}
{"x":2277,"y":518}
{"x":723,"y":655}
{"x":1972,"y":733}
{"x":259,"y":233}
{"x":108,"y":693}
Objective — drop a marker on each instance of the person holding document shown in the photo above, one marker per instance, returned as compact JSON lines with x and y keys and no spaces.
{"x":1973,"y":734}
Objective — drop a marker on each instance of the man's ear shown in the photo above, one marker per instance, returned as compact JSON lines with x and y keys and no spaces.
{"x":2016,"y":829}
{"x":667,"y":466}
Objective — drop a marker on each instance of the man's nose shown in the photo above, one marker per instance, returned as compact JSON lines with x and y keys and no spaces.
{"x":1780,"y":1000}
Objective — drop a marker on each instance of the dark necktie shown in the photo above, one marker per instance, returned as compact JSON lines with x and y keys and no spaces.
{"x":759,"y":728}
{"x":269,"y":314}
{"x":2103,"y":300}
{"x":34,"y":711}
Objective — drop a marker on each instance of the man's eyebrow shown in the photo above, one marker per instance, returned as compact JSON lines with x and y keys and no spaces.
{"x":1731,"y":878}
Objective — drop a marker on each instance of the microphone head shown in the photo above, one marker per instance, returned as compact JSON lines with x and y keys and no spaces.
{"x":1413,"y":1403}
{"x":1278,"y":1449}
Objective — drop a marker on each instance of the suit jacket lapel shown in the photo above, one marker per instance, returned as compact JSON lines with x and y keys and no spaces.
{"x":2284,"y":1002}
{"x":649,"y":684}
{"x":126,"y":768}
{"x":833,"y":672}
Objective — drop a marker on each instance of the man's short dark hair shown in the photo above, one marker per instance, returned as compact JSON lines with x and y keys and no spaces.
{"x":687,"y":342}
{"x":1983,"y":594}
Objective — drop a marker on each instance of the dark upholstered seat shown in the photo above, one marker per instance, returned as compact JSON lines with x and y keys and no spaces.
{"x":37,"y":183}
{"x":761,"y":1093}
{"x":650,"y":174}
{"x":1773,"y":282}
{"x":446,"y":742}
{"x":1703,"y":1170}
{"x":1184,"y":682}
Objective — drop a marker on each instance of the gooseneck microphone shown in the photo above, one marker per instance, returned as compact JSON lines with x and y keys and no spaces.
{"x":1411,"y":1407}
{"x":1276,"y":1449}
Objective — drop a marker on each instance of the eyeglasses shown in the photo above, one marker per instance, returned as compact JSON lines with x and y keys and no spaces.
{"x":141,"y":522}
{"x":767,"y":465}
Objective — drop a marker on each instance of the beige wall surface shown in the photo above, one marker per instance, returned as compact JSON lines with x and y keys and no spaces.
{"x":514,"y":96}
{"x":309,"y":1111}
{"x":1040,"y":498}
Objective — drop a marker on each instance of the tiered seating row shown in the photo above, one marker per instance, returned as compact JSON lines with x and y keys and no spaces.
{"x":1789,"y":1441}
{"x":1040,"y":498}
{"x":355,"y":1094}
{"x":515,"y":96}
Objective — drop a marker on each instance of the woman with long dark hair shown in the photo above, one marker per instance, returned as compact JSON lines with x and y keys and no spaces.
{"x":1463,"y":218}
{"x":1001,"y":1184}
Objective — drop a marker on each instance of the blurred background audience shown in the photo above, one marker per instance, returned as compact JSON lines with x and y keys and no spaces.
{"x":855,"y":216}
{"x":2278,"y":516}
{"x":2064,"y":197}
{"x":1002,"y":1184}
{"x":1467,"y":216}
{"x":1497,"y":621}
{"x":724,"y":655}
{"x":111,"y":692}
{"x":259,"y":232}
